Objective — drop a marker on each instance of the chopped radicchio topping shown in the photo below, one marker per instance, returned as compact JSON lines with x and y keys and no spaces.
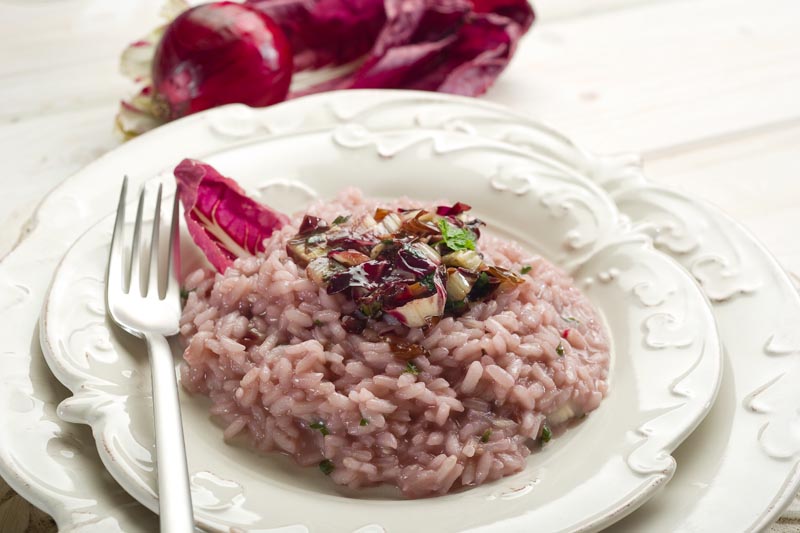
{"x":406,"y":266}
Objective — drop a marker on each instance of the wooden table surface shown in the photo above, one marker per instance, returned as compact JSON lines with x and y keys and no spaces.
{"x":708,"y":91}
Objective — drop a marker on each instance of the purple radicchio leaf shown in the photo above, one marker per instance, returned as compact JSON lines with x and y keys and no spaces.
{"x":326,"y":32}
{"x":223,"y":221}
{"x":419,"y":311}
{"x":453,"y":46}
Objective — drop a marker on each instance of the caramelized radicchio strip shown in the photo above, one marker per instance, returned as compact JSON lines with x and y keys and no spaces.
{"x":452,"y":211}
{"x":403,"y":349}
{"x":503,"y":277}
{"x":311,"y":225}
{"x":458,"y":286}
{"x":417,"y":312}
{"x":348,"y":257}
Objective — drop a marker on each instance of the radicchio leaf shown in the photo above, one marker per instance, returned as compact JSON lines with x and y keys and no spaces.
{"x":326,"y":32}
{"x":454,"y":210}
{"x":138,"y":115}
{"x":222,"y":220}
{"x":454,"y":46}
{"x":419,"y":312}
{"x":220,"y":53}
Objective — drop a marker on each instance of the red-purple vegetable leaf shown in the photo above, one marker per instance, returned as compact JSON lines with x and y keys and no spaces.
{"x":222,"y":220}
{"x":454,"y":46}
{"x":220,"y":53}
{"x":454,"y":210}
{"x":326,"y":32}
{"x":519,"y":11}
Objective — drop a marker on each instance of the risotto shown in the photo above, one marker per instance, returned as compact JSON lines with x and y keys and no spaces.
{"x":400,"y":383}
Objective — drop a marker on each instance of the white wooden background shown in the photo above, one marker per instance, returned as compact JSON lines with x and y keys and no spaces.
{"x":708,"y":91}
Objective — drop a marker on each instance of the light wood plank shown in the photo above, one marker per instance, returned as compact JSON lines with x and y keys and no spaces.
{"x":549,"y":10}
{"x":41,"y":152}
{"x":660,"y":75}
{"x":32,"y":95}
{"x":753,"y":178}
{"x":43,"y":35}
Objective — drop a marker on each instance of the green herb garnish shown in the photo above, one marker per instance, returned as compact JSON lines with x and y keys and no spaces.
{"x":546,"y":433}
{"x":411,"y":368}
{"x":571,"y":319}
{"x":486,"y":435}
{"x":370,"y":309}
{"x":481,"y":286}
{"x":341,"y":219}
{"x":456,"y":238}
{"x":428,"y":282}
{"x":318,"y":323}
{"x":560,"y":350}
{"x":454,"y":306}
{"x":363,"y":422}
{"x":326,"y":465}
{"x":525,"y":269}
{"x":387,"y":242}
{"x":321,"y":427}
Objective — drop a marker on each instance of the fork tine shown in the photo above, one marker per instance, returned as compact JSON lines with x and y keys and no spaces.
{"x":115,"y":275}
{"x":173,"y":258}
{"x":136,"y":250}
{"x":152,"y":272}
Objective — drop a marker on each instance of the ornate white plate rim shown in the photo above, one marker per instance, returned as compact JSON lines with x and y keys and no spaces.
{"x":25,"y":274}
{"x":690,"y":391}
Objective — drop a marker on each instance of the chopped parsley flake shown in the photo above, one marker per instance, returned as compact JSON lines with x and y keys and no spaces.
{"x":456,"y":238}
{"x":481,"y":286}
{"x":370,"y":309}
{"x":321,"y":427}
{"x":486,"y":435}
{"x":411,"y":368}
{"x":428,"y":283}
{"x":318,"y":323}
{"x":525,"y":269}
{"x":341,"y":219}
{"x":363,"y":422}
{"x":326,"y":465}
{"x":560,"y":350}
{"x":547,"y":434}
{"x":454,"y":306}
{"x":571,"y":319}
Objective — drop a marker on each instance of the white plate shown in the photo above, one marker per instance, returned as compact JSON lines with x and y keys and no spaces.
{"x":55,"y":465}
{"x":666,"y":367}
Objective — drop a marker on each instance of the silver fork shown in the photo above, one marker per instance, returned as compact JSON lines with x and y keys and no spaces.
{"x":138,"y":308}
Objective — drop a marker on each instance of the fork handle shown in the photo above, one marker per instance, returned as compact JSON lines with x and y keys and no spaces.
{"x":174,"y":493}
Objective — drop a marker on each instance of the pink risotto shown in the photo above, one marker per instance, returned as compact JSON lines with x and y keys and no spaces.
{"x":431,"y":363}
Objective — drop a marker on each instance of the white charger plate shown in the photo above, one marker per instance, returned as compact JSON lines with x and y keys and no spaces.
{"x":667,"y":358}
{"x":54,"y":464}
